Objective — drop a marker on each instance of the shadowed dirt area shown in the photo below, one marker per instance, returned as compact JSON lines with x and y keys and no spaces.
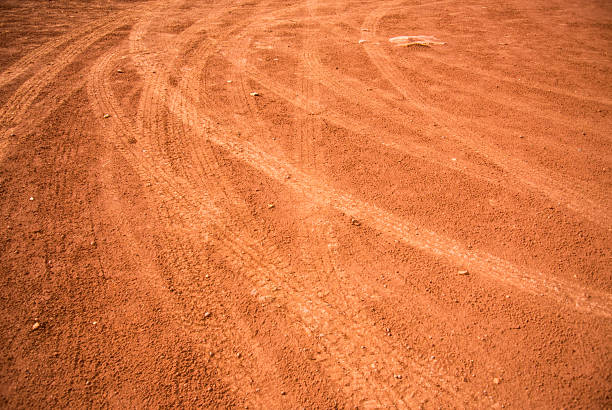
{"x":269,"y":204}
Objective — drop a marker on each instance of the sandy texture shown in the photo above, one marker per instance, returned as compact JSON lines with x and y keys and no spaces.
{"x":268,"y":204}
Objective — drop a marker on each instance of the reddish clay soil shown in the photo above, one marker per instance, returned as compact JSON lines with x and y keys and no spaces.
{"x":268,"y":204}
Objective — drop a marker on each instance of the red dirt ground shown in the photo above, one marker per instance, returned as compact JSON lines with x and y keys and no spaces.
{"x":169,"y":239}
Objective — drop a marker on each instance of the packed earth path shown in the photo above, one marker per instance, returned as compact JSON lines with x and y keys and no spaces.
{"x":269,"y":204}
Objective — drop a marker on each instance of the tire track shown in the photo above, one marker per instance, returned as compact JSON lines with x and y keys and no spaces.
{"x":314,"y":107}
{"x":189,"y":214}
{"x":354,"y":91}
{"x":483,"y":263}
{"x":570,"y":193}
{"x":269,"y":271}
{"x":30,"y":60}
{"x":247,"y":255}
{"x":310,"y":125}
{"x":22,"y":100}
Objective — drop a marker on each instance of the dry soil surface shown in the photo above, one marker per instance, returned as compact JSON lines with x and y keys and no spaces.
{"x":268,"y":204}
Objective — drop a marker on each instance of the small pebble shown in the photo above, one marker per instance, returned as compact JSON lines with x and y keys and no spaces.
{"x":106,"y":115}
{"x":398,"y":376}
{"x":120,"y":71}
{"x":270,"y":206}
{"x":254,"y":94}
{"x":207,"y":314}
{"x":31,"y":198}
{"x":355,"y":222}
{"x":496,"y":380}
{"x":35,"y":326}
{"x":463,"y":272}
{"x":283,"y":393}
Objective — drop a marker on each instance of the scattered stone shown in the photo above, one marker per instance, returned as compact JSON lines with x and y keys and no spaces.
{"x":94,"y":323}
{"x":463,"y":272}
{"x":362,"y":41}
{"x":207,"y":276}
{"x":453,"y":159}
{"x":521,"y":136}
{"x":355,"y":222}
{"x":106,"y":115}
{"x":120,"y":71}
{"x":283,"y":393}
{"x":254,"y":94}
{"x":31,"y":198}
{"x":238,"y":355}
{"x":398,"y":376}
{"x":211,"y":354}
{"x":229,"y":81}
{"x":35,"y":326}
{"x":496,"y":380}
{"x":207,"y":314}
{"x":270,"y":206}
